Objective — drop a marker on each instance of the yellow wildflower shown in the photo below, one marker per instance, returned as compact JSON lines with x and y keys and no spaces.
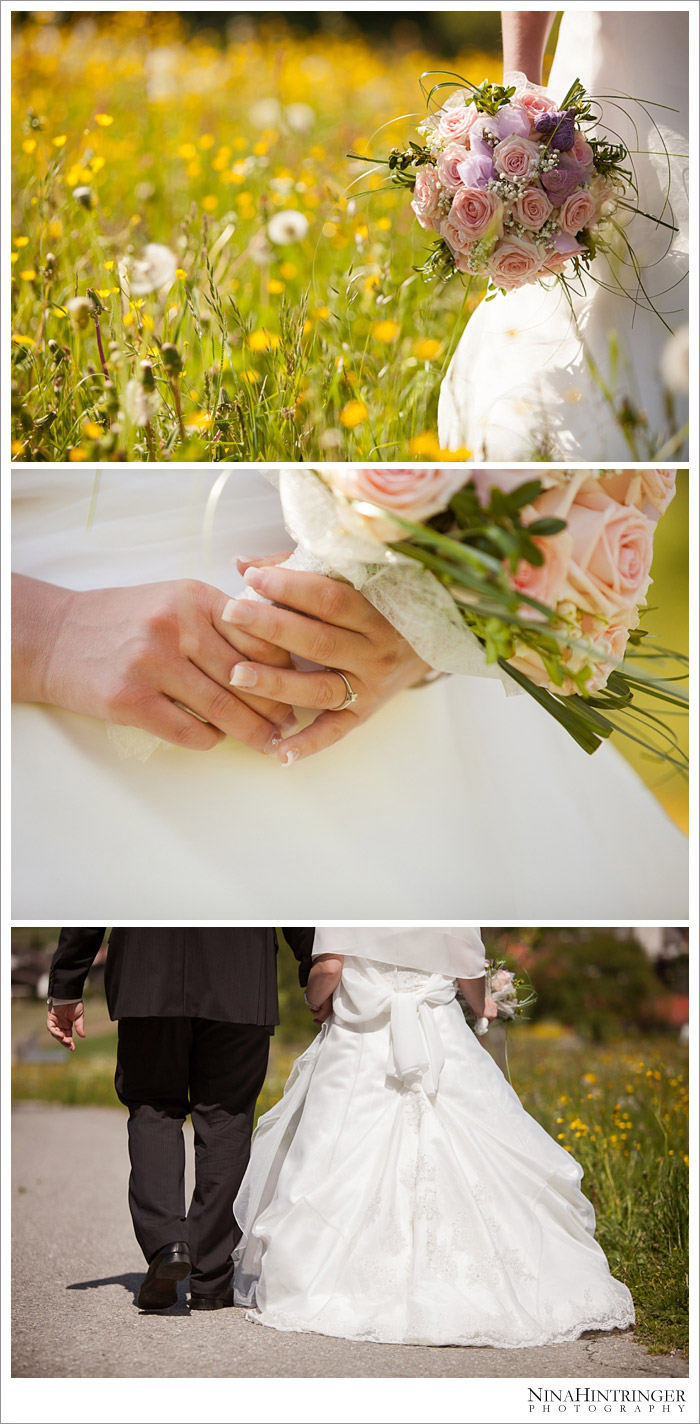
{"x":386,"y":331}
{"x":28,"y":274}
{"x":104,"y":120}
{"x":76,"y":454}
{"x":427,"y":349}
{"x":59,"y":140}
{"x":275,"y":288}
{"x":93,"y":430}
{"x":353,"y":414}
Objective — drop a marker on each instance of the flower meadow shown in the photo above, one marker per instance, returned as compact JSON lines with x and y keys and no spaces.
{"x":192,"y":278}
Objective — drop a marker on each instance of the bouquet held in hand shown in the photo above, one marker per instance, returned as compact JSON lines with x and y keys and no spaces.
{"x":539,"y":581}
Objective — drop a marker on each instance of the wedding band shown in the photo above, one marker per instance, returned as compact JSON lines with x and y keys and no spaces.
{"x":350,"y":696}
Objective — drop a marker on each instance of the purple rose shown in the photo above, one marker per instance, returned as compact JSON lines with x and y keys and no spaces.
{"x":561,"y":182}
{"x":510,"y":120}
{"x":561,"y":125}
{"x":476,"y":169}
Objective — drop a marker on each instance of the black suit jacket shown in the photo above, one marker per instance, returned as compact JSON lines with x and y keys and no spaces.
{"x":224,"y":974}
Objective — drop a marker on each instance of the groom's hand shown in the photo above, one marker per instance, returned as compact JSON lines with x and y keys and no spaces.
{"x":62,"y":1019}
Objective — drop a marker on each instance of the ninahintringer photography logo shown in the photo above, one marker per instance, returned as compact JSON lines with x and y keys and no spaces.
{"x":542,"y":1400}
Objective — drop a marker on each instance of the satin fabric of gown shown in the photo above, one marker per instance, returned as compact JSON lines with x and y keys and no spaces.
{"x":400,"y":1193}
{"x":519,"y":386}
{"x":451,"y":795}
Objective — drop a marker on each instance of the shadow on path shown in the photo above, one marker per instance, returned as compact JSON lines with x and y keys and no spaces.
{"x":131,"y":1282}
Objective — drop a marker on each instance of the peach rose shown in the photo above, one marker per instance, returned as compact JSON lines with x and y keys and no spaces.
{"x":414,"y":493}
{"x":659,"y":486}
{"x":514,"y":262}
{"x":609,"y":641}
{"x":547,"y":581}
{"x":474,"y":212}
{"x":582,"y":151}
{"x":426,"y":196}
{"x":454,"y":124}
{"x":534,"y":104}
{"x":516,"y":157}
{"x":650,"y":490}
{"x":448,"y":165}
{"x":532,"y":209}
{"x":577,"y":212}
{"x":611,"y":552}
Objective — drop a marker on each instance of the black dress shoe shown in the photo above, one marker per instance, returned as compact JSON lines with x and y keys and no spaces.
{"x":159,"y":1286}
{"x":210,"y":1302}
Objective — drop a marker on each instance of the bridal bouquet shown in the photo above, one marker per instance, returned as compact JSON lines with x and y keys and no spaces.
{"x":538,"y":581}
{"x":515,"y":186}
{"x":512,"y":995}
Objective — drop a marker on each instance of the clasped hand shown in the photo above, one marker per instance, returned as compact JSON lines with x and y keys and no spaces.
{"x":181,"y":660}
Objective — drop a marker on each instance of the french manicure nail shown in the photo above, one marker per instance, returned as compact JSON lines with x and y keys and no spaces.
{"x":290,"y":723}
{"x":291,"y":755}
{"x":271,"y":748}
{"x":254,"y":576}
{"x":243,"y":676}
{"x":237,"y":610}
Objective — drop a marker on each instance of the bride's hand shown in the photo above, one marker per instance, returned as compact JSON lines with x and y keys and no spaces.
{"x":490,"y":1009}
{"x":325,"y":622}
{"x":129,"y":655}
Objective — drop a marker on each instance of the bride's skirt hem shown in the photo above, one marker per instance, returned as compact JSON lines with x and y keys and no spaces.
{"x":283,"y":1322}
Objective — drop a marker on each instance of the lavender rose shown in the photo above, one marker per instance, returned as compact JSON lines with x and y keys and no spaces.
{"x":560,"y":126}
{"x":561,"y":182}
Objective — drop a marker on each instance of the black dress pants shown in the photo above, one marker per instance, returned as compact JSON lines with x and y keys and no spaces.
{"x":167,"y":1067}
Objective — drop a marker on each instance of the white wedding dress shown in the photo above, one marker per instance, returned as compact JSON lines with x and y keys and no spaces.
{"x":452,"y":801}
{"x":519,"y":386}
{"x":400,"y":1193}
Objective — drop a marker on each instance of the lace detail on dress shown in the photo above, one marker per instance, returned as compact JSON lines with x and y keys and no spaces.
{"x":402,"y":981}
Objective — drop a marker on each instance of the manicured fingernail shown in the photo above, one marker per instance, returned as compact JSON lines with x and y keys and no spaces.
{"x":237,"y":610}
{"x":290,"y":755}
{"x":290,"y":723}
{"x":243,"y":676}
{"x":271,"y":748}
{"x":255,"y":577}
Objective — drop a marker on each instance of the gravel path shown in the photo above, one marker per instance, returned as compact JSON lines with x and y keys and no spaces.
{"x":76,"y":1268}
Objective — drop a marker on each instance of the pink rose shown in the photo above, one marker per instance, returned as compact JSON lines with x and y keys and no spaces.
{"x":414,"y":493}
{"x":611,"y":549}
{"x":448,"y":166}
{"x":502,"y":979}
{"x":609,"y":642}
{"x":547,"y":581}
{"x":649,"y":490}
{"x":516,"y":157}
{"x":514,"y":262}
{"x":426,"y":195}
{"x":577,"y":212}
{"x":474,"y":212}
{"x":532,"y":209}
{"x":455,"y":124}
{"x":603,"y":195}
{"x":582,"y":151}
{"x":535,"y":104}
{"x":659,"y":487}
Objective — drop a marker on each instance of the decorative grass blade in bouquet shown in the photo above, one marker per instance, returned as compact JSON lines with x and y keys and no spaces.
{"x":539,"y":582}
{"x":515,"y":187}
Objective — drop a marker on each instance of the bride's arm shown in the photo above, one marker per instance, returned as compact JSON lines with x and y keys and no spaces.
{"x":525,"y":35}
{"x":129,"y":655}
{"x":324,"y":979}
{"x":480,"y":1003}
